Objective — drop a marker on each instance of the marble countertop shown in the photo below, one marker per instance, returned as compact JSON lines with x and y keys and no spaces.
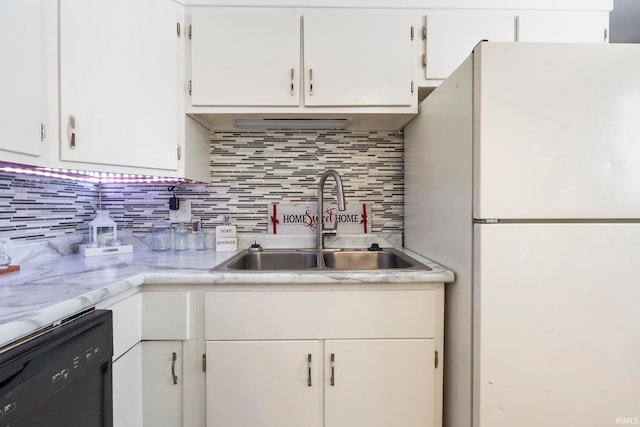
{"x":43,"y":292}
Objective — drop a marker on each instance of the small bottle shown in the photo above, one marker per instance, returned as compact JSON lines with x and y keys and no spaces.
{"x":196,"y":225}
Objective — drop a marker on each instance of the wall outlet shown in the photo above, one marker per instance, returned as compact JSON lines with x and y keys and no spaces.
{"x":183,"y":214}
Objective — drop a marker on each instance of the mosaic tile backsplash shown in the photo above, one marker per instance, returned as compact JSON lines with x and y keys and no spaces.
{"x":249,"y":171}
{"x":41,"y":208}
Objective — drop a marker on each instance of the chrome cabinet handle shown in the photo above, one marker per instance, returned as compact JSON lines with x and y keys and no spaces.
{"x":333,"y":370}
{"x":72,"y":128}
{"x":292,"y":92}
{"x":173,"y":368}
{"x":310,"y":81}
{"x":309,"y":369}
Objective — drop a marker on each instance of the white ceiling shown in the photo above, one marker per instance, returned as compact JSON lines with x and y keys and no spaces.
{"x":624,"y":22}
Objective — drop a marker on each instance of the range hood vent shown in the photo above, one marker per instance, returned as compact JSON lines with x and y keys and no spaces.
{"x":291,"y":123}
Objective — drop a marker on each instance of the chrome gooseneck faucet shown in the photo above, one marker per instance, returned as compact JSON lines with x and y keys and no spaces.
{"x":321,"y":232}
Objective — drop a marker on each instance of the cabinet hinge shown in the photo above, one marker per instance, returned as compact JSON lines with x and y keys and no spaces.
{"x":413,"y":88}
{"x":204,"y":362}
{"x":412,"y":33}
{"x":43,"y":132}
{"x":424,"y":60}
{"x":178,"y":29}
{"x":436,"y":361}
{"x":189,"y":87}
{"x":189,"y":31}
{"x":606,"y":35}
{"x":424,"y":32}
{"x":179,"y":152}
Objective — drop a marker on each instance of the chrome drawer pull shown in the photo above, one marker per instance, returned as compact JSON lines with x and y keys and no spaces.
{"x":333,"y":370}
{"x":173,"y":368}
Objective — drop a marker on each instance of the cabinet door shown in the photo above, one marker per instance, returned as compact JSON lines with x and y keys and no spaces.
{"x":119,"y":82}
{"x":245,"y":57}
{"x":380,"y":383}
{"x":162,"y":383}
{"x":127,"y":388}
{"x":264,"y":383}
{"x":569,"y":27}
{"x":21,"y":81}
{"x":358,"y":58}
{"x":451,"y":38}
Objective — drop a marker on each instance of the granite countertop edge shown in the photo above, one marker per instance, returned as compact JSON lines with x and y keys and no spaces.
{"x":44,"y":292}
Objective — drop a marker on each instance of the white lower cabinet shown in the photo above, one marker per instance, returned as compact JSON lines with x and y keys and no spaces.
{"x":352,"y":383}
{"x":162,"y":383}
{"x":264,"y":383}
{"x":149,"y":332}
{"x":288,"y":357}
{"x":127,"y":360}
{"x":379,"y":383}
{"x":165,"y":327}
{"x":127,"y":388}
{"x":351,"y":358}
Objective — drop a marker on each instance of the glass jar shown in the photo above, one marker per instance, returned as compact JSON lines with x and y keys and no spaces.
{"x":201,"y":240}
{"x":160,"y":236}
{"x":181,"y":237}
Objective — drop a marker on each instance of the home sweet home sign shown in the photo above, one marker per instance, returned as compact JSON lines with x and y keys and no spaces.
{"x":303,"y":218}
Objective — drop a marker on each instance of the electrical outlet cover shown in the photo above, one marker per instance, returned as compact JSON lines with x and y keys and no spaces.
{"x":183,"y":214}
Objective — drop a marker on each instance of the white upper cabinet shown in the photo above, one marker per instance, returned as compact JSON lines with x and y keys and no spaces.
{"x":262,"y":57}
{"x":358,"y":58}
{"x":22,"y":82}
{"x":571,"y":27}
{"x":119,"y":83}
{"x":449,"y":35}
{"x":450,"y":38}
{"x":242,"y":57}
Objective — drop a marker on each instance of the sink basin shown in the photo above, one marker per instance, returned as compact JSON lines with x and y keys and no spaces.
{"x":369,"y":260}
{"x":273,"y":260}
{"x":311,"y":259}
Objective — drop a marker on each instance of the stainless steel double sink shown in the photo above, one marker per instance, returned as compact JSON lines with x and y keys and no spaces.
{"x":326,"y":259}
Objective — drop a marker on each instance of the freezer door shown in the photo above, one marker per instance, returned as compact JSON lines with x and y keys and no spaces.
{"x":556,"y":131}
{"x":556,"y":324}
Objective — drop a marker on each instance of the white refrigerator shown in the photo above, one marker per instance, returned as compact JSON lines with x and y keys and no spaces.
{"x":522,"y":175}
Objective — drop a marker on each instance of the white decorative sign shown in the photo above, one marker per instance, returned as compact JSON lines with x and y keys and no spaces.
{"x":226,"y":240}
{"x":300,"y":219}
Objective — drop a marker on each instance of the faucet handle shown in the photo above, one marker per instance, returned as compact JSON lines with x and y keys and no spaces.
{"x":334,"y":228}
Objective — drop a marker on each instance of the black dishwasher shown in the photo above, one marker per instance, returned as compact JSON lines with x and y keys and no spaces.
{"x":61,"y":377}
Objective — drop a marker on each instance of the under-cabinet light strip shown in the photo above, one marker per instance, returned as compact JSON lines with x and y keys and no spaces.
{"x":89,"y":176}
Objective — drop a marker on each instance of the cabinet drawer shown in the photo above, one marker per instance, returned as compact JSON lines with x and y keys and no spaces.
{"x":231,"y":315}
{"x":165,"y":315}
{"x":127,"y":324}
